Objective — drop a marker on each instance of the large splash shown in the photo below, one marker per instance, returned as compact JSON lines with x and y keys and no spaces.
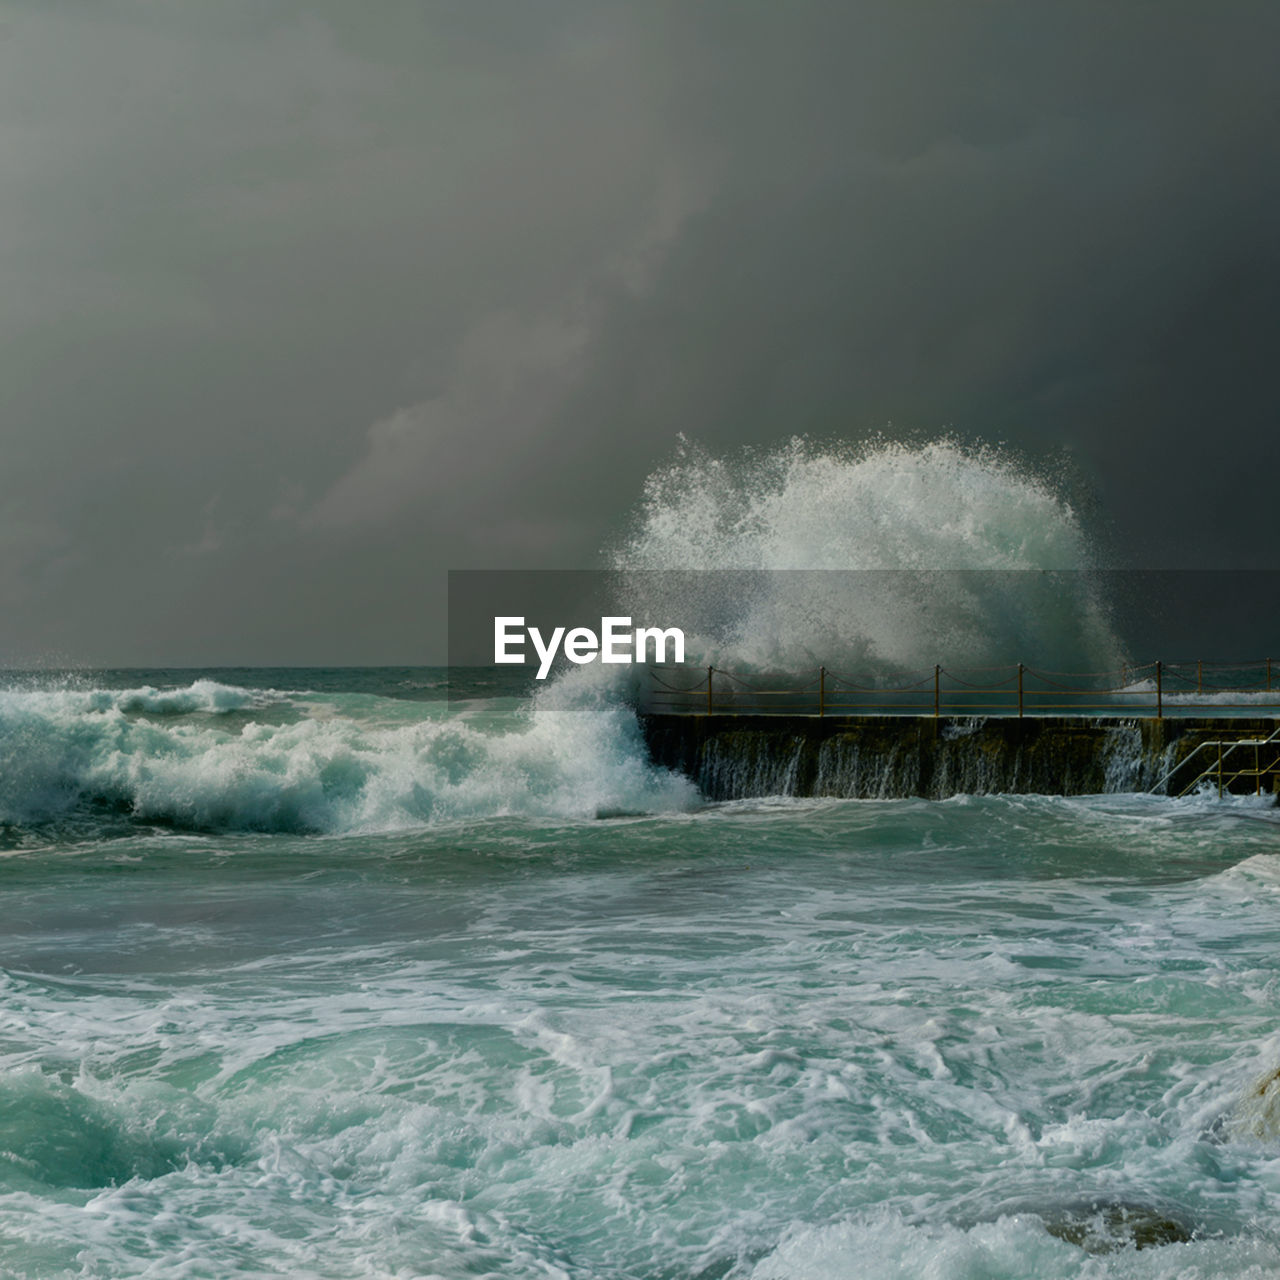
{"x":885,"y":555}
{"x":883,"y":505}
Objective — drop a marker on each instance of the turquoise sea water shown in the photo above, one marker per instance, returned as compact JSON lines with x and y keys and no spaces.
{"x":313,"y":974}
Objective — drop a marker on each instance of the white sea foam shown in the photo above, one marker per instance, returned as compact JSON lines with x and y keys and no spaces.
{"x":870,"y":1052}
{"x":887,"y":1246}
{"x":200,"y":696}
{"x":580,"y":753}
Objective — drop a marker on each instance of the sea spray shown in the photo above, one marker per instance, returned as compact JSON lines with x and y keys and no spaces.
{"x":885,"y":557}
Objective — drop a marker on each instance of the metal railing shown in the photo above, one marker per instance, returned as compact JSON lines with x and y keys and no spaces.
{"x":1152,"y":688}
{"x":1224,"y":774}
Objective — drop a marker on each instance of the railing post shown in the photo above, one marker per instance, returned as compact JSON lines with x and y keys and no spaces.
{"x":1019,"y":691}
{"x":1199,"y":675}
{"x":710,"y":673}
{"x":1159,"y":689}
{"x":1219,"y":770}
{"x":822,"y":691}
{"x":937,"y":672}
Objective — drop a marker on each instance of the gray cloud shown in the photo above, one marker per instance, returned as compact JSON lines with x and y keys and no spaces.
{"x":303,"y":304}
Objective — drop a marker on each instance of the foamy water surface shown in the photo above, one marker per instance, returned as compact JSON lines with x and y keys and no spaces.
{"x":325,"y":983}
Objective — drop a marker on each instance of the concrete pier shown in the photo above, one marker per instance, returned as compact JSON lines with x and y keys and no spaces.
{"x":738,"y":756}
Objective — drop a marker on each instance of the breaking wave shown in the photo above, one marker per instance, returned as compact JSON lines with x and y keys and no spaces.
{"x":346,"y":771}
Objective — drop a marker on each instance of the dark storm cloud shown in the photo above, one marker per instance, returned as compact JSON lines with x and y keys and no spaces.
{"x":1050,"y":225}
{"x":303,"y":304}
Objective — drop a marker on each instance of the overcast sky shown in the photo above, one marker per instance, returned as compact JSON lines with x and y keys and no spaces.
{"x":304,"y":303}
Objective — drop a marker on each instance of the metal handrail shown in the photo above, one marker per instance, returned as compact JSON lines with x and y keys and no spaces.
{"x":1035,"y":690}
{"x":1231,"y":744}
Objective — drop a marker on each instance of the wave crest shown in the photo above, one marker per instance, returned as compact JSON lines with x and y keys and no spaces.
{"x":339,"y":774}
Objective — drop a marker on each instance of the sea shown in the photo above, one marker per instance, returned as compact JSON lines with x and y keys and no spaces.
{"x":323,"y":973}
{"x":410,"y":973}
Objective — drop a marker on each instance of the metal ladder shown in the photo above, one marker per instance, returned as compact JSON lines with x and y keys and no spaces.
{"x":1218,"y":770}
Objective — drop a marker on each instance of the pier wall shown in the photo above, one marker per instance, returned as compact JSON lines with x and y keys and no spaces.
{"x":734,"y":757}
